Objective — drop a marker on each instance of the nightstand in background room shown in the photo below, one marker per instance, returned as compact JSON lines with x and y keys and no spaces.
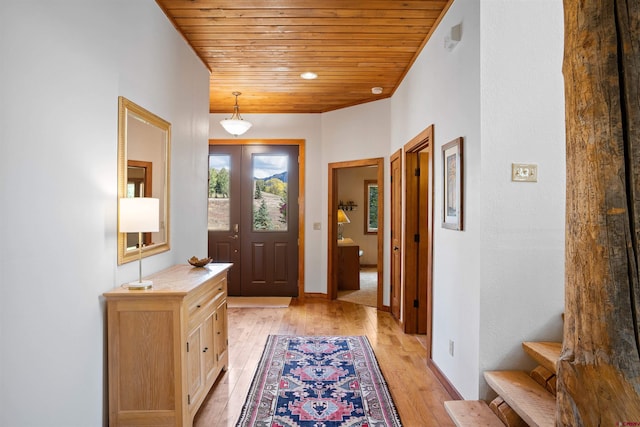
{"x":348,"y":265}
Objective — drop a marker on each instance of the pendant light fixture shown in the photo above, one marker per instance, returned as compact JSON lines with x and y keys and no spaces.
{"x":235,"y":125}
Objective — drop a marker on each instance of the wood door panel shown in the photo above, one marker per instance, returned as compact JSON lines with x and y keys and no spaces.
{"x":220,"y":328}
{"x":208,"y":348}
{"x":194,"y":368}
{"x":150,"y":389}
{"x":280,"y":262}
{"x":221,"y":252}
{"x":258,"y":263}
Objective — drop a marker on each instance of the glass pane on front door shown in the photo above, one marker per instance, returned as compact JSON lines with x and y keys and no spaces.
{"x":270,"y":182}
{"x":219,"y":193}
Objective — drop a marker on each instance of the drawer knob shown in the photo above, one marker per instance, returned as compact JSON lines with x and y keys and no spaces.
{"x":205,"y":349}
{"x":198,"y":306}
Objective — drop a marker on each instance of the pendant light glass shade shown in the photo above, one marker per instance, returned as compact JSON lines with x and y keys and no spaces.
{"x":235,"y":125}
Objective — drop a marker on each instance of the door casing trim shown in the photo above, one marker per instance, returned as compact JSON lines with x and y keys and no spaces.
{"x":332,"y":228}
{"x":415,"y":223}
{"x":399,"y":198}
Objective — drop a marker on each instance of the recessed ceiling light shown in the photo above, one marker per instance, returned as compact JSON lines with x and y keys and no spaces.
{"x":376,"y":90}
{"x":309,"y":75}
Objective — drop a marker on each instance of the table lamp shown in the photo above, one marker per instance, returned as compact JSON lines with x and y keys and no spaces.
{"x":342,"y":219}
{"x":139,"y":215}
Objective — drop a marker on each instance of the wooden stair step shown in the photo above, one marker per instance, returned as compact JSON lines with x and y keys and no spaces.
{"x":472,"y":413}
{"x":545,"y":353}
{"x":535,"y":405}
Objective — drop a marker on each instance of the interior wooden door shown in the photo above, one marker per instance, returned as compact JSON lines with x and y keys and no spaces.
{"x":396,"y":234}
{"x":418,"y":242}
{"x":253,"y":217}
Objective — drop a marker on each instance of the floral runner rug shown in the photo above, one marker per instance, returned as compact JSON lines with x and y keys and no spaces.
{"x":315,"y":381}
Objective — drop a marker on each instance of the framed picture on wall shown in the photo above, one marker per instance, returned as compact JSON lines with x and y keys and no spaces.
{"x":452,"y":189}
{"x":371,"y":206}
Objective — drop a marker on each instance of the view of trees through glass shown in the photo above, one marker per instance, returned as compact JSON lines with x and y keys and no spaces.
{"x":218,"y":206}
{"x":371,"y":216}
{"x":270,"y":182}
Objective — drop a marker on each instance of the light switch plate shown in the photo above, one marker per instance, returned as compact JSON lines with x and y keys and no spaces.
{"x":524,"y":172}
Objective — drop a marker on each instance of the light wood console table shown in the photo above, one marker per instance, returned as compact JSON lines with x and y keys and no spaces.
{"x":166,"y":345}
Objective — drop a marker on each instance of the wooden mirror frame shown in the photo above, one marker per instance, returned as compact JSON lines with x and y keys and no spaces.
{"x":127,"y":110}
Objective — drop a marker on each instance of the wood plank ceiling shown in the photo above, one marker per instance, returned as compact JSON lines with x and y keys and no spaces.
{"x":260,"y":48}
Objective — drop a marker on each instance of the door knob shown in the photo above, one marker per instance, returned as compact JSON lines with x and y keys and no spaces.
{"x":395,"y":248}
{"x":235,"y":236}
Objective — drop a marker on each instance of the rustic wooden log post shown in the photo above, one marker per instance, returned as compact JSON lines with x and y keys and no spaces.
{"x":599,"y":369}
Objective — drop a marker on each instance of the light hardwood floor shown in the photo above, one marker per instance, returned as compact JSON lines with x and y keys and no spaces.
{"x":417,"y":394}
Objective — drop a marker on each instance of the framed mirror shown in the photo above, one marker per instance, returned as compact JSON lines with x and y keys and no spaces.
{"x":144,"y":148}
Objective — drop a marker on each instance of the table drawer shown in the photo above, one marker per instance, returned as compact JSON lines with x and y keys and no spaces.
{"x":202,"y":301}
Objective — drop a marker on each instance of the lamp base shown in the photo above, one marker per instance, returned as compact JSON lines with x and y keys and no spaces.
{"x":141,"y":285}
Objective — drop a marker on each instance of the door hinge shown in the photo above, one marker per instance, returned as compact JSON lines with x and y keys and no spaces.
{"x":187,"y":347}
{"x":415,"y":303}
{"x":188,"y":399}
{"x":417,"y":172}
{"x":391,"y":179}
{"x":416,"y":238}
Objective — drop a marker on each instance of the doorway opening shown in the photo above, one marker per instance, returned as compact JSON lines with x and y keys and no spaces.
{"x":356,"y":231}
{"x":418,"y":240}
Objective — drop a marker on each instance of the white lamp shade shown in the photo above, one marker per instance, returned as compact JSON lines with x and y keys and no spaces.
{"x":139,"y":215}
{"x":235,"y":126}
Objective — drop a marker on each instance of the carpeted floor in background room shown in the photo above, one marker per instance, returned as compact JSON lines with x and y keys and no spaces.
{"x":368,"y":293}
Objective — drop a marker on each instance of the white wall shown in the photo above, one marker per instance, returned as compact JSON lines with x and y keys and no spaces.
{"x":500,"y":281}
{"x":442,"y":89}
{"x":522,"y":240}
{"x":354,"y":133}
{"x":63,"y":67}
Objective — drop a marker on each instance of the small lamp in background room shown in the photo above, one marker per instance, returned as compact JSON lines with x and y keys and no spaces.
{"x":139,"y":215}
{"x":342,"y":219}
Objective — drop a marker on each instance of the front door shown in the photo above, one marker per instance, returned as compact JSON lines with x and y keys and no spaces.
{"x":253,"y":217}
